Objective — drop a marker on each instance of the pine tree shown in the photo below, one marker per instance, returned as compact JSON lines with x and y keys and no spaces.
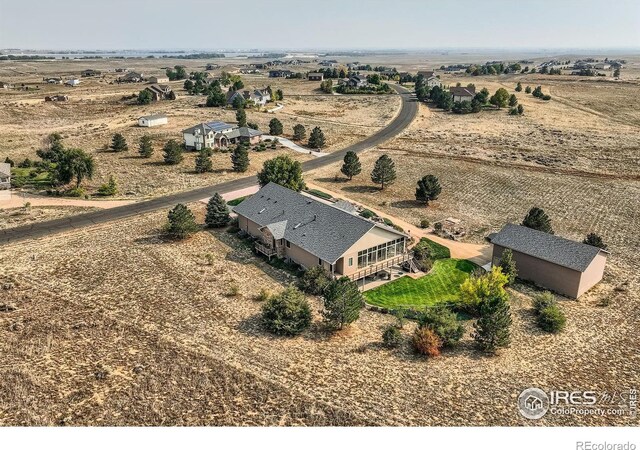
{"x":203,"y":161}
{"x":492,"y":329}
{"x":527,"y":90}
{"x":172,"y":152}
{"x":351,"y":166}
{"x":146,"y":149}
{"x":513,"y":100}
{"x":275,"y":127}
{"x":119,"y":143}
{"x":241,"y":117}
{"x":537,"y":219}
{"x":316,"y":139}
{"x":342,"y":302}
{"x":181,"y":222}
{"x":508,"y":265}
{"x":384,"y":171}
{"x":299,"y":132}
{"x":428,"y":189}
{"x":217,"y":212}
{"x":240,"y":158}
{"x":518,"y":87}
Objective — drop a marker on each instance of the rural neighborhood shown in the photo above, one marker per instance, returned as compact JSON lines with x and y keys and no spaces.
{"x":319,"y":236}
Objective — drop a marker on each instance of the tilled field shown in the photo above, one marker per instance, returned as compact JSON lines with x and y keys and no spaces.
{"x":114,"y":325}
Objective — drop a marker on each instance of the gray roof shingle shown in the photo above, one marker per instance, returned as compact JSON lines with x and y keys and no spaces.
{"x":548,"y":247}
{"x":321,"y":229}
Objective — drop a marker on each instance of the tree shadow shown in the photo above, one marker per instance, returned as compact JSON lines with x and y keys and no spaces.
{"x":406,"y":204}
{"x":332,"y":180}
{"x":361,"y":189}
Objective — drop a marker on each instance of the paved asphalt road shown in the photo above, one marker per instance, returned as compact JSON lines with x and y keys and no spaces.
{"x":39,"y":229}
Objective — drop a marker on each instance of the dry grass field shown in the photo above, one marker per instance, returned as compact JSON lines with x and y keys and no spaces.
{"x":114,"y":326}
{"x":95,"y":111}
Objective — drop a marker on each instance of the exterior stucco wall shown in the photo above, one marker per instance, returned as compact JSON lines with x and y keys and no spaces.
{"x":593,"y":274}
{"x":550,"y":276}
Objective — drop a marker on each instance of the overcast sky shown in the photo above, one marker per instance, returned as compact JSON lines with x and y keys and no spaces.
{"x":318,"y":24}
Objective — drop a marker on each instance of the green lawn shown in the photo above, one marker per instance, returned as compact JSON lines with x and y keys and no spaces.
{"x":438,"y":286}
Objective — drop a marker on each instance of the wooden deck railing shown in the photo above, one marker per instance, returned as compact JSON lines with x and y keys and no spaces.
{"x":265,"y":250}
{"x":375,"y":268}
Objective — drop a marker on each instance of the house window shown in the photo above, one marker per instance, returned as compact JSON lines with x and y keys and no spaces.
{"x":288,"y":244}
{"x":380,"y":253}
{"x":319,"y":262}
{"x":351,"y":261}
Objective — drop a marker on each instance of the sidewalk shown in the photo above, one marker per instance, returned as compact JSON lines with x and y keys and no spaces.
{"x":476,"y":253}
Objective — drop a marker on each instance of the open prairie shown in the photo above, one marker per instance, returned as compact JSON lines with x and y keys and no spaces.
{"x":116,"y":326}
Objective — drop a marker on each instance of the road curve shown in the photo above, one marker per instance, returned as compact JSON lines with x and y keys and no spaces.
{"x":406,"y":115}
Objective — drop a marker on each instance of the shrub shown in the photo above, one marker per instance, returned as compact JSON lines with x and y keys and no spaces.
{"x":368,"y":214}
{"x":546,"y":97}
{"x":426,"y":342}
{"x":76,"y":192}
{"x":109,"y":188}
{"x":543,"y":300}
{"x":263,"y":295}
{"x":508,"y":265}
{"x":475,"y":289}
{"x":424,"y":223}
{"x":551,"y":319}
{"x":287,"y":314}
{"x":234,"y":289}
{"x":314,"y":280}
{"x":444,"y":323}
{"x":392,"y":337}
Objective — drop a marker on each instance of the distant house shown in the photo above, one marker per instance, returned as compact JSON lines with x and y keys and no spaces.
{"x":461,"y":94}
{"x":159,"y":91}
{"x":72,"y":82}
{"x":53,"y":80}
{"x":315,"y":76}
{"x":258,"y":97}
{"x":426,"y":73}
{"x":156,"y":80}
{"x":131,"y":77}
{"x":5,"y":176}
{"x":152,"y":121}
{"x":90,"y":73}
{"x":280,"y":73}
{"x":567,"y":267}
{"x":357,"y":81}
{"x":218,"y":135}
{"x":312,"y":233}
{"x":4,"y":85}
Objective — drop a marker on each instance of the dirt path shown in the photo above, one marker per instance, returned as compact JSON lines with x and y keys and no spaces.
{"x":477,"y":253}
{"x":17,"y":200}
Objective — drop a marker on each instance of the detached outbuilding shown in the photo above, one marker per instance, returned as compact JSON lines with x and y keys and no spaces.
{"x":567,"y":267}
{"x":5,"y":176}
{"x":152,"y":121}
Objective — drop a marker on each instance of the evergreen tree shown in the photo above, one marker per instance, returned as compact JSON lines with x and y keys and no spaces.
{"x":217,"y":212}
{"x":284,"y":171}
{"x":316,"y":139}
{"x":384,"y":171}
{"x":238,"y":102}
{"x":527,"y":90}
{"x":146,"y":149}
{"x":172,"y":152}
{"x":287,"y":314}
{"x":595,"y":240}
{"x":216,"y":96}
{"x":500,"y":98}
{"x":241,"y":117}
{"x":508,"y":265}
{"x":275,"y":127}
{"x":240,"y":158}
{"x":513,"y":100}
{"x":203,"y":161}
{"x":342,"y":302}
{"x":181,"y":222}
{"x":428,"y":189}
{"x":351,"y":166}
{"x":518,"y":87}
{"x":520,"y":110}
{"x":144,"y":97}
{"x":299,"y":132}
{"x":537,"y":219}
{"x":119,"y":143}
{"x":492,"y":329}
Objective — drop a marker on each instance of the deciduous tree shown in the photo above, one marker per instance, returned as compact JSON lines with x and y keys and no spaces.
{"x":284,"y":171}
